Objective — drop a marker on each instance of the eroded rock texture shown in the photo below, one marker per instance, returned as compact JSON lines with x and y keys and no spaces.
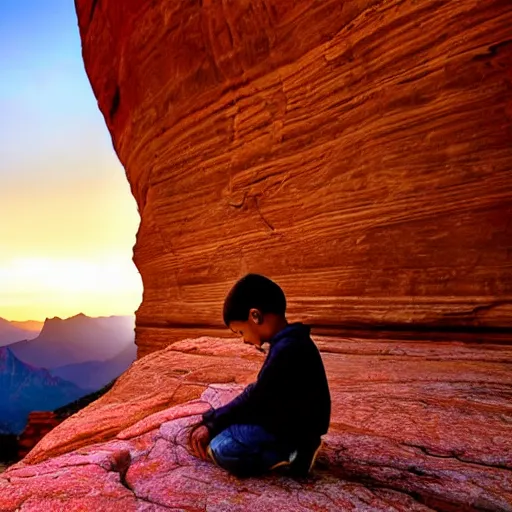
{"x":357,"y":151}
{"x":415,"y":426}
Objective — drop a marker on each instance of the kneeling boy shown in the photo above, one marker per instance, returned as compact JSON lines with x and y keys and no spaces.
{"x":279,"y":419}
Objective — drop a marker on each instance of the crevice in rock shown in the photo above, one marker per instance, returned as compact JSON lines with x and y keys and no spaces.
{"x":94,"y":4}
{"x":114,"y":106}
{"x":493,"y":50}
{"x":265,"y":221}
{"x":423,"y":498}
{"x":180,"y":325}
{"x":436,"y":502}
{"x":455,"y":456}
{"x":240,"y":204}
{"x":469,"y":334}
{"x":147,"y":500}
{"x":479,"y":308}
{"x":121,"y":466}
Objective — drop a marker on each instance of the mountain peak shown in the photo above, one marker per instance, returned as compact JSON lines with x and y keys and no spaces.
{"x":78,"y":316}
{"x":12,"y":331}
{"x":77,"y":339}
{"x":24,"y":388}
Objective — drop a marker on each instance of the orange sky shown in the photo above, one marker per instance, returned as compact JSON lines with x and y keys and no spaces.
{"x":66,"y":248}
{"x":67,"y":217}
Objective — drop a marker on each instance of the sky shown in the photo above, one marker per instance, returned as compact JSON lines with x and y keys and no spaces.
{"x":67,"y":217}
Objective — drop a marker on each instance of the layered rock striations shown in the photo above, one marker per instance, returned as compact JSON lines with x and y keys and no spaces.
{"x":359,"y":152}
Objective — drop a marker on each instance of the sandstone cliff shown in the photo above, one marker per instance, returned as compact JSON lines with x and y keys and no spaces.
{"x":357,"y":151}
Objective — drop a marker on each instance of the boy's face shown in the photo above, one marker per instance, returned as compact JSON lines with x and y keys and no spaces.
{"x":247,"y":331}
{"x":251,"y":330}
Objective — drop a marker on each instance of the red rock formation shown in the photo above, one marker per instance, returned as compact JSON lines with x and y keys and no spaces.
{"x":38,"y":425}
{"x":414,"y":425}
{"x":357,"y":151}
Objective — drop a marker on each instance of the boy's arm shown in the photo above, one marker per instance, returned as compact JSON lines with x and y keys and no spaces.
{"x":216,"y":420}
{"x":273,"y":379}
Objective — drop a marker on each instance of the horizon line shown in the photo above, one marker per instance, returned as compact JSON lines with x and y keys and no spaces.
{"x":66,"y":318}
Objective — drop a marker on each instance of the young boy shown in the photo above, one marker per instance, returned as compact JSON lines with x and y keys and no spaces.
{"x":277,"y":420}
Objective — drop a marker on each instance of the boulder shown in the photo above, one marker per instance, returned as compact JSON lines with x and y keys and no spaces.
{"x":39,"y":423}
{"x":415,"y":426}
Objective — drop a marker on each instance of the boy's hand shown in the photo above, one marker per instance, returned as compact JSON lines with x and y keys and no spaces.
{"x":198,"y":441}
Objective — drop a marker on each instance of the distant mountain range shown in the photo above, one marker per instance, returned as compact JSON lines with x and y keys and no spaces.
{"x":24,"y":388}
{"x":96,"y":374}
{"x":28,"y":325}
{"x":77,"y":339}
{"x":11,"y":332}
{"x":66,"y":360}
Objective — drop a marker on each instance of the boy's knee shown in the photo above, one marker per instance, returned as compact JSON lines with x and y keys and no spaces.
{"x":226,"y":452}
{"x":215,"y":449}
{"x":221,"y":449}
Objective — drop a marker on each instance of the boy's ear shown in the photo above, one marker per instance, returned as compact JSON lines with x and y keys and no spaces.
{"x":256,"y":316}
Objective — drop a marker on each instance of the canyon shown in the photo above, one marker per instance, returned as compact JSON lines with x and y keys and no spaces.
{"x":357,"y":152}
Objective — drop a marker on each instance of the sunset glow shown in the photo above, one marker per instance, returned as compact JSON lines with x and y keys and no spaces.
{"x":38,"y":288}
{"x":68,"y":219}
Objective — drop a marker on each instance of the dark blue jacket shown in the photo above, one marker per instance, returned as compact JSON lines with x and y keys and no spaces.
{"x":291,"y":396}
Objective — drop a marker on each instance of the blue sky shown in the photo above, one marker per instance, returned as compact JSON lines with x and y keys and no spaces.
{"x":46,"y":103}
{"x":64,"y":199}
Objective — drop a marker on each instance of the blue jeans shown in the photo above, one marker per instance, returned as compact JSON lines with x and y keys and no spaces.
{"x":247,"y":450}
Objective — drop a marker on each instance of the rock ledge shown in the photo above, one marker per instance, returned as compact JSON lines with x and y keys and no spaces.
{"x":415,"y":426}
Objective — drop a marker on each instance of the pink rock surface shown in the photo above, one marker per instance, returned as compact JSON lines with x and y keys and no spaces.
{"x":155,"y":471}
{"x":415,"y":426}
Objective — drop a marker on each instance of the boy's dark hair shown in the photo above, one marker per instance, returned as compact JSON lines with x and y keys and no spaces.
{"x":253,"y":291}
